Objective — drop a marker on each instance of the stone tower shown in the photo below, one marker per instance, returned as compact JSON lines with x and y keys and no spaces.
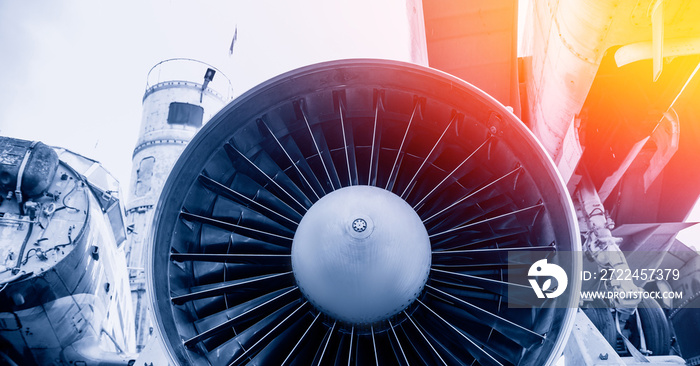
{"x":181,"y":95}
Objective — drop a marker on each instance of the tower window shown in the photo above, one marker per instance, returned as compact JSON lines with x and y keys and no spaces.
{"x":185,"y":114}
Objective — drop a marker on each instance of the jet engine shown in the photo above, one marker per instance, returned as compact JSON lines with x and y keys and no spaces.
{"x":359,"y":212}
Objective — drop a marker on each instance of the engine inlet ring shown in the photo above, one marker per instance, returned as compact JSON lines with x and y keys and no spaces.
{"x":221,"y":278}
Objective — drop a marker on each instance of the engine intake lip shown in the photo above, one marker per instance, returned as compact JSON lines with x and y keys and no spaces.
{"x":247,"y":179}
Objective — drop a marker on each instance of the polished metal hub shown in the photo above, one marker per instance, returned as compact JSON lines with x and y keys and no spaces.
{"x":361,"y":254}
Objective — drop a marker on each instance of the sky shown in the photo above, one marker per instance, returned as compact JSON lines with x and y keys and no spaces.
{"x":73,"y":72}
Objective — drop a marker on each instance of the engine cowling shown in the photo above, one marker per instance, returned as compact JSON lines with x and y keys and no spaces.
{"x":359,"y":212}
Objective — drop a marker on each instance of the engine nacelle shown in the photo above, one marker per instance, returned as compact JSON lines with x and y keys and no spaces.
{"x":235,"y":280}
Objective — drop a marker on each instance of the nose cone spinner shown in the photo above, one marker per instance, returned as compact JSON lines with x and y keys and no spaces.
{"x":361,"y":254}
